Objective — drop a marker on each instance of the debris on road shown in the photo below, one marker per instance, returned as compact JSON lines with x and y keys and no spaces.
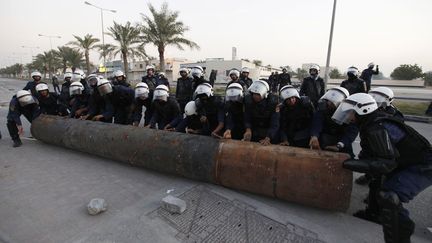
{"x":173,"y":204}
{"x":96,"y":206}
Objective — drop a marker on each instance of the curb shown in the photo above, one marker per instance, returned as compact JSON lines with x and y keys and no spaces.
{"x":424,"y":119}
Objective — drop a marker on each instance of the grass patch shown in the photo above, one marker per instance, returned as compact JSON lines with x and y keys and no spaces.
{"x":417,"y":108}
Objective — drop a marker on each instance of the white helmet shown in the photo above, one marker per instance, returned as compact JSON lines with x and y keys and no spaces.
{"x":118,"y":73}
{"x":150,"y":67}
{"x":371,"y":65}
{"x":104,"y":86}
{"x":25,"y":98}
{"x":245,"y":70}
{"x":67,"y":75}
{"x":183,"y":70}
{"x":335,"y":95}
{"x":162,"y":74}
{"x":92,"y":79}
{"x":234,"y":92}
{"x":204,"y":88}
{"x":234,"y":72}
{"x":41,"y":87}
{"x":141,"y":90}
{"x":353,"y":70}
{"x":190,"y":108}
{"x":382,"y":95}
{"x":161,"y":93}
{"x":260,"y":87}
{"x":36,"y":74}
{"x":360,"y":103}
{"x":197,"y":72}
{"x":288,"y":91}
{"x":315,"y":66}
{"x":76,"y":88}
{"x":78,"y":74}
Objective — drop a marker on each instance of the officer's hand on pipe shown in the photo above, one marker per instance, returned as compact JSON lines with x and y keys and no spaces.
{"x":97,"y":117}
{"x":20,"y":130}
{"x":314,"y":143}
{"x":265,"y":141}
{"x":191,"y":131}
{"x":215,"y":135}
{"x":247,"y":135}
{"x":84,"y":117}
{"x":135,"y":124}
{"x":333,"y":148}
{"x":284,"y":143}
{"x":227,"y":134}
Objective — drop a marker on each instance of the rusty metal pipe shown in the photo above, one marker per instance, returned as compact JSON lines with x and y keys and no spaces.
{"x":313,"y":178}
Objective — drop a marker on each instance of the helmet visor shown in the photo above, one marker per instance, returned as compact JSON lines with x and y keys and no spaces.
{"x":105,"y":89}
{"x":344,"y":113}
{"x":141,"y":93}
{"x":381,"y":100}
{"x":26,"y":100}
{"x":335,"y":96}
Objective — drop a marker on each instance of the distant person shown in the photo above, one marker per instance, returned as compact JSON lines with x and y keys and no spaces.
{"x":353,"y":84}
{"x":120,"y":78}
{"x":31,"y":85}
{"x":429,"y":110}
{"x":55,"y":84}
{"x":366,"y":75}
{"x":244,"y":76}
{"x":313,"y":86}
{"x":234,"y":75}
{"x":284,"y":78}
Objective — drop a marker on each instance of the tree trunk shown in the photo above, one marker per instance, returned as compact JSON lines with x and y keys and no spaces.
{"x":87,"y":62}
{"x":125,"y":64}
{"x":161,"y":51}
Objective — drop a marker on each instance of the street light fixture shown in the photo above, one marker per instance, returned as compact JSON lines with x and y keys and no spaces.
{"x":103,"y":34}
{"x":326,"y":77}
{"x":50,"y":38}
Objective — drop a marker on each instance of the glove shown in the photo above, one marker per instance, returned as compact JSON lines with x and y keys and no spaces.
{"x":374,"y":167}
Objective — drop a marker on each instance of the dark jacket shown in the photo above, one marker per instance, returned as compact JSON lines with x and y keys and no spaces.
{"x":312,"y":88}
{"x":295,"y":121}
{"x":165,"y":113}
{"x":262,"y":117}
{"x":354,"y":85}
{"x":30,"y":112}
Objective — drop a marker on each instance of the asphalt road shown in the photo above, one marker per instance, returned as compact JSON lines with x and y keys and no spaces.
{"x":44,"y":190}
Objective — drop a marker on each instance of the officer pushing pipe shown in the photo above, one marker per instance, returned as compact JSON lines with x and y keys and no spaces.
{"x":313,"y":178}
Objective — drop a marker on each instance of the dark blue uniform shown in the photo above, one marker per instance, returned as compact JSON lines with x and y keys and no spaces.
{"x":295,"y":122}
{"x":138,"y":108}
{"x":165,"y":112}
{"x":312,"y":88}
{"x":246,"y":80}
{"x":354,"y":85}
{"x":119,"y":104}
{"x":31,"y":86}
{"x":184,"y":91}
{"x":366,"y":75}
{"x":330,"y":133}
{"x":51,"y":105}
{"x":80,"y":106}
{"x":401,"y":161}
{"x":234,"y":119}
{"x":97,"y":106}
{"x":262,"y":118}
{"x":30,"y":112}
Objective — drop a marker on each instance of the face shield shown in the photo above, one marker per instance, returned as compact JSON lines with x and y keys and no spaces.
{"x":161,"y":95}
{"x":381,"y":100}
{"x":335,"y":96}
{"x":234,"y":95}
{"x":75,"y":91}
{"x":105,"y":89}
{"x":141,"y":93}
{"x":344,"y":113}
{"x":26,"y":100}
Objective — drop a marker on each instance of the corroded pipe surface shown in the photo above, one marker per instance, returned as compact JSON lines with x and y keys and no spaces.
{"x":313,"y":178}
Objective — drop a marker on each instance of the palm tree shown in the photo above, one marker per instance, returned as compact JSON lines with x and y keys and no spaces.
{"x":47,"y":61}
{"x":128,"y":38}
{"x":69,"y":57}
{"x":106,"y":51}
{"x":257,"y":62}
{"x":85,"y":44}
{"x":164,"y":29}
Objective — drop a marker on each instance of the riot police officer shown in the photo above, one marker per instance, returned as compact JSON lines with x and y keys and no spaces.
{"x":353,"y":84}
{"x":261,"y":114}
{"x":184,"y":89}
{"x":234,"y":75}
{"x":209,"y":117}
{"x":118,"y":102}
{"x":141,"y":100}
{"x":284,"y":78}
{"x":120,"y":78}
{"x":166,"y":110}
{"x":296,"y":117}
{"x":96,"y":101}
{"x":399,"y":158}
{"x":31,"y":85}
{"x":64,"y":93}
{"x":49,"y":101}
{"x":327,"y":134}
{"x":366,"y":75}
{"x":234,"y":112}
{"x":151,"y":79}
{"x":197,"y":73}
{"x":80,"y":100}
{"x":23,"y":103}
{"x":244,"y":76}
{"x":313,"y":86}
{"x":384,"y":98}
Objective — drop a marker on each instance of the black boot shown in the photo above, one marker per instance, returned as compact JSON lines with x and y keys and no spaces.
{"x":17,"y":142}
{"x":406,"y":229}
{"x":363,"y":180}
{"x":368,"y":215}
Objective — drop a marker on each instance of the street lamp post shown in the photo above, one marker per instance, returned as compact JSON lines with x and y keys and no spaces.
{"x":50,"y":38}
{"x":330,"y":46}
{"x":103,"y":34}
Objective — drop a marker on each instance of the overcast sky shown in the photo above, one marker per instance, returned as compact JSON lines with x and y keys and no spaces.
{"x":285,"y":32}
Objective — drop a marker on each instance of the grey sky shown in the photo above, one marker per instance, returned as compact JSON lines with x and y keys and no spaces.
{"x":285,"y":32}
